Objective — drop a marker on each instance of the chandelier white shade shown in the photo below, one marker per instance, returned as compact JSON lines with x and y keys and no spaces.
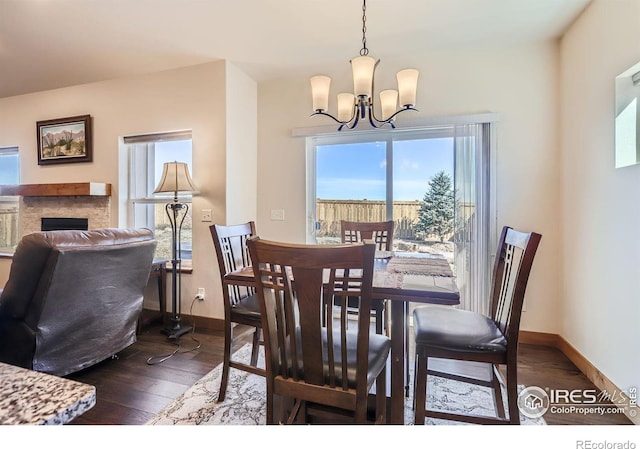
{"x":407,"y":86}
{"x":320,"y":92}
{"x":360,"y":104}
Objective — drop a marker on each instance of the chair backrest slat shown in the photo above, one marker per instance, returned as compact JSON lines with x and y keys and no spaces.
{"x":380,"y":232}
{"x":512,"y":266}
{"x":232,"y":253}
{"x":297,"y":343}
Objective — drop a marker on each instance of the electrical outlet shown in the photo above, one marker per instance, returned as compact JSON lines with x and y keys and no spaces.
{"x":200,"y":296}
{"x":207,"y":215}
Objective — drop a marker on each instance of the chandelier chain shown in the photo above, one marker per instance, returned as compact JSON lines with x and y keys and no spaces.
{"x":364,"y":51}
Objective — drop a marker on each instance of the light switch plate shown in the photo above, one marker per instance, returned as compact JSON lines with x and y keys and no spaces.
{"x":277,"y":214}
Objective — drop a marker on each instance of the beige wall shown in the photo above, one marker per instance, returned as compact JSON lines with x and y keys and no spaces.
{"x":520,"y":83}
{"x":242,"y":141}
{"x":601,"y":217}
{"x":189,"y":98}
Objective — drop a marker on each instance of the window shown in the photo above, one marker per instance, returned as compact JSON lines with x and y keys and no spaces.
{"x":433,"y":183}
{"x":9,"y":175}
{"x":147,"y":155}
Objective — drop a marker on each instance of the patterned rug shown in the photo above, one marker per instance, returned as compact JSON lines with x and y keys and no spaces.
{"x":245,"y":400}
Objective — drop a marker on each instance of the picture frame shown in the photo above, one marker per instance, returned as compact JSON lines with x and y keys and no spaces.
{"x":64,"y":140}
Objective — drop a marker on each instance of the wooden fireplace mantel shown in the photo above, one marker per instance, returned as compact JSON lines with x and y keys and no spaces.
{"x":61,"y":189}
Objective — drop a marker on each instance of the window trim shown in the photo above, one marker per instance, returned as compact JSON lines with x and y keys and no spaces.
{"x":462,"y":128}
{"x":131,"y":197}
{"x":11,"y":199}
{"x":406,"y":125}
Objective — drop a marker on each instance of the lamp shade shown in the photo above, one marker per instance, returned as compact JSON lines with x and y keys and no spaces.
{"x":388,"y":103}
{"x":175,"y":178}
{"x":362,"y":68}
{"x":320,"y":92}
{"x":407,"y":86}
{"x":346,"y":102}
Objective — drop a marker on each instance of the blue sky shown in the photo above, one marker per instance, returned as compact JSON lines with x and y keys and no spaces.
{"x":178,"y":150}
{"x":9,"y":169}
{"x":358,"y":171}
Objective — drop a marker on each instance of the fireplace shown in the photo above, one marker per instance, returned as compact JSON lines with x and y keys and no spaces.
{"x":90,"y":201}
{"x":63,"y":224}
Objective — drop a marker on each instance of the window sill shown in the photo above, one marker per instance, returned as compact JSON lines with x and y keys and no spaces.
{"x":185,"y":267}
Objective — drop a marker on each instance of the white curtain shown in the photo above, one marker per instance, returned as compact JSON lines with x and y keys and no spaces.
{"x":473,"y":218}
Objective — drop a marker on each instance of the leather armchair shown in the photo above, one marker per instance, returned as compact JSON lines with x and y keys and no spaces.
{"x":73,"y":298}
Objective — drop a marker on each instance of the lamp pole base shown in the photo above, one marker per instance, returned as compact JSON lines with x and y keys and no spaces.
{"x":173,"y":333}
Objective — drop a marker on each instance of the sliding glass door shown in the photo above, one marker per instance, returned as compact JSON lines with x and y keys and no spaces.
{"x":433,"y":183}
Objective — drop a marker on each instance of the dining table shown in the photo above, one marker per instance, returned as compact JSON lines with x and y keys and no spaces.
{"x":401,"y":278}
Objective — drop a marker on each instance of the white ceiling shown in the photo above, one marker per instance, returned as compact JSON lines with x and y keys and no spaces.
{"x":46,"y":44}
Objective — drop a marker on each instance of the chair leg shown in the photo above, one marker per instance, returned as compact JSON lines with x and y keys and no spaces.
{"x":255,"y":347}
{"x":512,"y":392}
{"x":381,"y":397}
{"x":269,"y":389}
{"x":406,"y":349}
{"x":420,"y":392}
{"x":415,"y":377}
{"x":497,"y":392}
{"x":228,"y":338}
{"x":379,"y":315}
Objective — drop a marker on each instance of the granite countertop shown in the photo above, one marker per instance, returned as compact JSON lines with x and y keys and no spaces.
{"x":31,"y":397}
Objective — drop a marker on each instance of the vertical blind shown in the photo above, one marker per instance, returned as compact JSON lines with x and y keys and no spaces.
{"x":473,"y":218}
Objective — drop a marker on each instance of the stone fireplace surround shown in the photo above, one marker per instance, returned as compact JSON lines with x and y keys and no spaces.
{"x":89,"y":200}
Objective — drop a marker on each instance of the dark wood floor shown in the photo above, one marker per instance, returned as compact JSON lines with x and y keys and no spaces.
{"x":130,"y":391}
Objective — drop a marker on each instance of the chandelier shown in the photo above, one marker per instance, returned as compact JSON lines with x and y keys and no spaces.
{"x":359,"y":105}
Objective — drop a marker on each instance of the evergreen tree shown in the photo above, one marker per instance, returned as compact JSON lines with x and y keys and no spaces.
{"x":436,"y":213}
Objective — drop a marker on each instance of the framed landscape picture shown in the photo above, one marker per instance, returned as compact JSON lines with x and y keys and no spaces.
{"x":64,"y":140}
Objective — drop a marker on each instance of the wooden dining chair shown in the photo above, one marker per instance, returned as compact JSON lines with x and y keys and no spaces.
{"x":240,"y":301}
{"x":449,"y":333}
{"x":313,"y":366}
{"x":382,"y":234}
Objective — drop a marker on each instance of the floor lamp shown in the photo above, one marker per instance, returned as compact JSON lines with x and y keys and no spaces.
{"x":176,"y":178}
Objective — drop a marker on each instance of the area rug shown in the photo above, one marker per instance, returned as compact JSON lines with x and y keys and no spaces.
{"x":245,"y":400}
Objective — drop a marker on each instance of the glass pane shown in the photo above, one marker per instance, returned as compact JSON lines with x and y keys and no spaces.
{"x":9,"y":174}
{"x":155,"y":216}
{"x":9,"y":169}
{"x":423,"y":204}
{"x":177,"y":150}
{"x":350,"y":185}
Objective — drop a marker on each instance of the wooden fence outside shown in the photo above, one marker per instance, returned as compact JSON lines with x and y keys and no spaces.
{"x":8,"y":227}
{"x":329,"y":213}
